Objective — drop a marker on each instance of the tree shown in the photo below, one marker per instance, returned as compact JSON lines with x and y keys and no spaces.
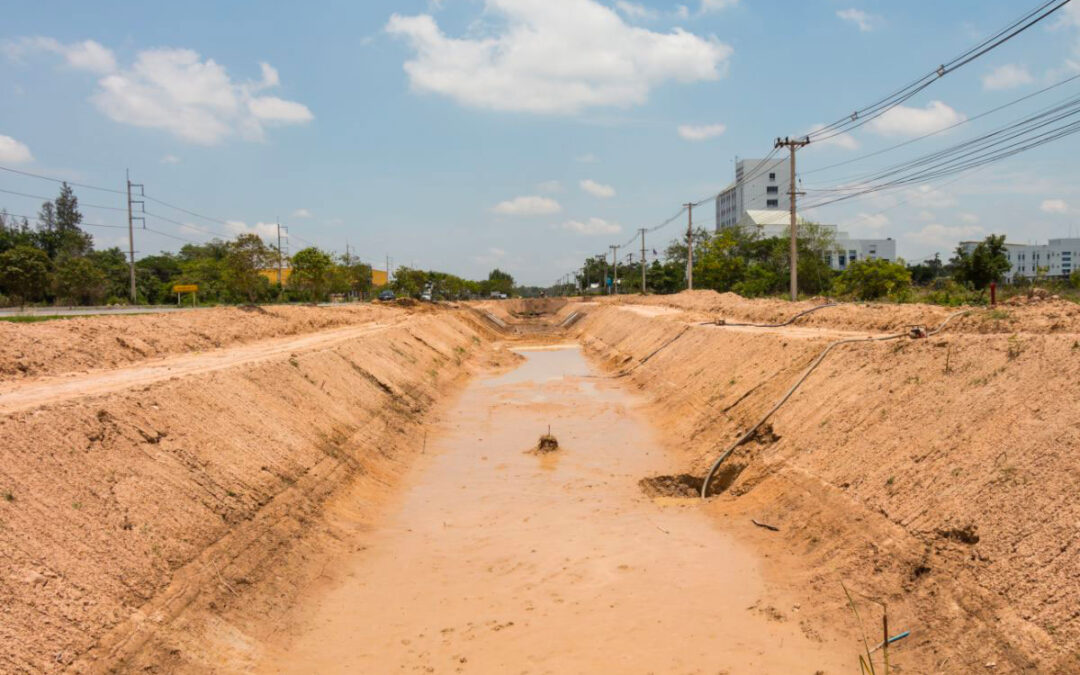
{"x":246,"y":257}
{"x":58,"y":232}
{"x":79,"y":281}
{"x":311,"y":272}
{"x":986,"y":263}
{"x":872,"y":279}
{"x":501,"y":281}
{"x":926,"y":271}
{"x":13,"y":233}
{"x":356,"y":275}
{"x":24,"y":273}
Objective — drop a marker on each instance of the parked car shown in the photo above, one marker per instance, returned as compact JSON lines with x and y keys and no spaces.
{"x":386,"y":296}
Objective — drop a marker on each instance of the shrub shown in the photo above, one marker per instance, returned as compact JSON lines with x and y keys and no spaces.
{"x":872,"y":279}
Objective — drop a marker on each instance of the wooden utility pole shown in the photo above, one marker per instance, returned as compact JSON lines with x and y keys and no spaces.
{"x":689,"y":246}
{"x":642,"y":231}
{"x":615,"y":269}
{"x":131,"y":233}
{"x":792,"y":145}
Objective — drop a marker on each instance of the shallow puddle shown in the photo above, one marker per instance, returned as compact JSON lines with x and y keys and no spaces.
{"x":497,"y":560}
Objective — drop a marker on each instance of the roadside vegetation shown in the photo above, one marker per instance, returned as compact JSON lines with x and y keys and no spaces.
{"x":743,"y":262}
{"x":52,"y":261}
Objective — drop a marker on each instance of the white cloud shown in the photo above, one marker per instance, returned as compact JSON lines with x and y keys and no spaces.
{"x":929,"y":197}
{"x":717,"y":5}
{"x":871,"y":221}
{"x":87,"y":55}
{"x":527,"y":206}
{"x":301,"y":213}
{"x":944,"y":236}
{"x":587,"y":158}
{"x":970,"y":218}
{"x":550,"y":186}
{"x":175,"y":90}
{"x":12,"y":151}
{"x":682,"y":12}
{"x":238,"y":227}
{"x":170,"y":159}
{"x":701,"y":132}
{"x":597,"y":189}
{"x":910,"y":121}
{"x":634,"y":10}
{"x":927,"y":216}
{"x":492,"y":256}
{"x":554,"y":58}
{"x":842,"y":140}
{"x":1007,"y":76}
{"x":865,"y":22}
{"x":1054,"y":206}
{"x":592,"y":226}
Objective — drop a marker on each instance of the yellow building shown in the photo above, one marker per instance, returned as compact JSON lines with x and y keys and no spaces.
{"x":378,"y":277}
{"x":272,"y":275}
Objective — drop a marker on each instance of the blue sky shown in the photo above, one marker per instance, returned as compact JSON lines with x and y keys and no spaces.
{"x":466,"y":134}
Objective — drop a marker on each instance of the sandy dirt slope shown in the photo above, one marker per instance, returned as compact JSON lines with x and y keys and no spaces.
{"x":98,"y":342}
{"x":937,"y":475}
{"x":155,"y":523}
{"x":1037,"y":316}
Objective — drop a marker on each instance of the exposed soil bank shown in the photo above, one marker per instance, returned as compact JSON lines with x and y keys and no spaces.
{"x":154,"y":524}
{"x":500,"y":560}
{"x":938,"y":476}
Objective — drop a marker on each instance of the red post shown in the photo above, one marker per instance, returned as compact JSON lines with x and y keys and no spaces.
{"x":993,"y":293}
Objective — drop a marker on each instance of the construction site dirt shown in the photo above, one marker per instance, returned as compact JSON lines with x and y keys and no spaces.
{"x":357,"y":489}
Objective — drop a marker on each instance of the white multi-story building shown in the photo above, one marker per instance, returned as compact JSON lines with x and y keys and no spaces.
{"x":757,"y":187}
{"x":845,"y":251}
{"x":1056,"y":258}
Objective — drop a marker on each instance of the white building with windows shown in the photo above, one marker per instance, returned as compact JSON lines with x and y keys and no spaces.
{"x":1056,"y":258}
{"x":846,"y":250}
{"x":757,"y":187}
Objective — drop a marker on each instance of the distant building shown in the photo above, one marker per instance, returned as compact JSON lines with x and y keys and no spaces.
{"x":1055,"y":258}
{"x":772,"y":223}
{"x":756,"y":188}
{"x":378,"y":277}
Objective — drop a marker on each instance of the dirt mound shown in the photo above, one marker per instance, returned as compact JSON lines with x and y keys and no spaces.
{"x":52,"y":347}
{"x":933,"y":474}
{"x":546,"y":444}
{"x":154,"y":527}
{"x":682,"y":485}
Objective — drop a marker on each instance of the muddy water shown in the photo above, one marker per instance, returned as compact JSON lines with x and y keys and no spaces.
{"x":496,"y":560}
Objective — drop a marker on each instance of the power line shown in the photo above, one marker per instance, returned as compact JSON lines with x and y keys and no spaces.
{"x":58,"y":180}
{"x":50,"y":199}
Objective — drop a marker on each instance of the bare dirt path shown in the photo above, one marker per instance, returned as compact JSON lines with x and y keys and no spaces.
{"x":496,"y":560}
{"x":31,"y":393}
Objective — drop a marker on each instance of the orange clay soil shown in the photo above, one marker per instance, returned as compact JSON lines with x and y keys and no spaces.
{"x":148,"y":520}
{"x":938,"y":476}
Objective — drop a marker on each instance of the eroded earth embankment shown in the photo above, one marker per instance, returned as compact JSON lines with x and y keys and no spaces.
{"x":937,"y":476}
{"x":161,"y":513}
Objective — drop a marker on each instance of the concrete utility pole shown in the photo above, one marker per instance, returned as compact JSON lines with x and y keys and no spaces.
{"x":642,"y":231}
{"x":689,"y":246}
{"x":280,"y":261}
{"x":131,"y":233}
{"x":615,"y":269}
{"x":793,"y":145}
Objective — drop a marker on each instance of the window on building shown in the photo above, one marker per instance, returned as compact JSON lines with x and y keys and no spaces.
{"x":772,"y":176}
{"x":772,"y":203}
{"x":772,"y":190}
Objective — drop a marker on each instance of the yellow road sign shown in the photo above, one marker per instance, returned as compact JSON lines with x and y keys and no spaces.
{"x":185,"y":288}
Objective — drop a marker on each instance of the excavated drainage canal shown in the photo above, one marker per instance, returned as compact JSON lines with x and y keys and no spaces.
{"x":497,"y":560}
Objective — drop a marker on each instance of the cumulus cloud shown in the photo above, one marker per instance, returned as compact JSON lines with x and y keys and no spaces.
{"x":634,"y":10}
{"x":717,"y":5}
{"x":969,"y":218}
{"x":531,"y":205}
{"x":592,"y":226}
{"x":842,"y":140}
{"x":701,"y":132}
{"x":1007,"y":76}
{"x":170,"y":159}
{"x":13,"y":152}
{"x":175,"y":90}
{"x":87,"y":55}
{"x":587,"y":158}
{"x":865,"y":22}
{"x":550,"y":186}
{"x":1054,"y":206}
{"x":871,"y":221}
{"x":597,"y":189}
{"x":911,"y":121}
{"x":945,"y":236}
{"x":301,"y":213}
{"x":554,"y":58}
{"x":927,"y":196}
{"x":238,"y":227}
